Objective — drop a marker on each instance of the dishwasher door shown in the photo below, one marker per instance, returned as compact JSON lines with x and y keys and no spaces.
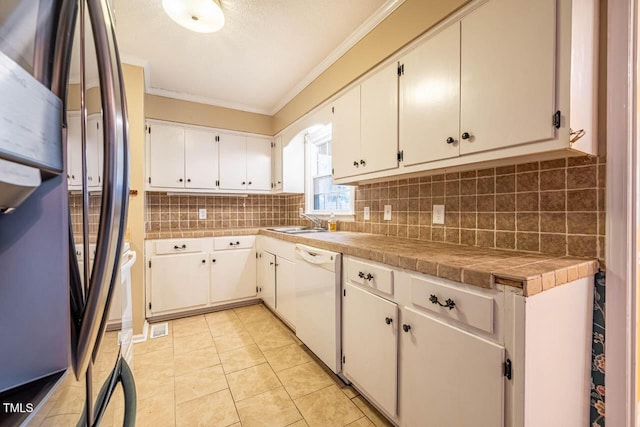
{"x":317,"y":278}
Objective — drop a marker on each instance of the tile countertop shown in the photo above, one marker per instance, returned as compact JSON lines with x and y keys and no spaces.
{"x":482,"y":267}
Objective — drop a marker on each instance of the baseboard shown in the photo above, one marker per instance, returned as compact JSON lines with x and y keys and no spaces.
{"x":144,"y":335}
{"x":198,"y":311}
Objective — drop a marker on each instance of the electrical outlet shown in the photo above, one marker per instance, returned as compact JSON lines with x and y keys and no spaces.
{"x":387,"y":212}
{"x":202,"y":214}
{"x":367,"y":213}
{"x":438,"y":214}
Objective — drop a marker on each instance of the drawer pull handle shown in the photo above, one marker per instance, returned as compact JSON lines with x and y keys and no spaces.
{"x":368,"y":276}
{"x":448,"y":303}
{"x":388,"y":320}
{"x":406,"y":327}
{"x":234,"y":244}
{"x":177,"y":248}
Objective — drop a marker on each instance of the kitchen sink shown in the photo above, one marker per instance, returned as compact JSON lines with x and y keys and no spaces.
{"x":297,"y":230}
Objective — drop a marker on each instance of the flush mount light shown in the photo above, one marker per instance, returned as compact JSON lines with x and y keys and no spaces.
{"x":201,"y":16}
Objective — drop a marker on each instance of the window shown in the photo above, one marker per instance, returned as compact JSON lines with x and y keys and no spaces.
{"x":324,"y":197}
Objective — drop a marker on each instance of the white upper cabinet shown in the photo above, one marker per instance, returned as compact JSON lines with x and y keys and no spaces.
{"x":508,"y":74}
{"x":94,"y":152}
{"x":430,"y":99}
{"x":200,"y":159}
{"x":345,"y":137}
{"x":276,"y":163}
{"x":258,"y":164}
{"x":379,"y":121}
{"x":166,"y":155}
{"x":233,"y":162}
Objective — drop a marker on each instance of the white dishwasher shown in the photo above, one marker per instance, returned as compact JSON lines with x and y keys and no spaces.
{"x":317,"y":278}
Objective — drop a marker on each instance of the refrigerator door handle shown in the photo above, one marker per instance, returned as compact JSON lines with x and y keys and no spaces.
{"x":115,"y":191}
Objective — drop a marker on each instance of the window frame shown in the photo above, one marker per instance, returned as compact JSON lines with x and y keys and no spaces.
{"x":309,"y":187}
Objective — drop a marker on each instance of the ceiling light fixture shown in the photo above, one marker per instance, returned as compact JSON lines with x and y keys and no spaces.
{"x":201,"y":16}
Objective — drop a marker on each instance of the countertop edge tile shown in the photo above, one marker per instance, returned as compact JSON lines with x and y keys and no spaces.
{"x":482,"y":267}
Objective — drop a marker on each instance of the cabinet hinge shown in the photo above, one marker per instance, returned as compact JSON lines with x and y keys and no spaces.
{"x":149,"y":129}
{"x":149,"y":180}
{"x":256,"y":255}
{"x":333,"y":110}
{"x":333,"y":171}
{"x":507,"y":369}
{"x":256,"y":289}
{"x":344,"y":292}
{"x":149,"y":306}
{"x":400,"y":155}
{"x":217,"y":138}
{"x":344,"y":359}
{"x":556,"y":119}
{"x":149,"y":263}
{"x":400,"y":69}
{"x":97,"y":125}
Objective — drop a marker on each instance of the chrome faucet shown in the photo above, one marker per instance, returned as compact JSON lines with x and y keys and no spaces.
{"x":315,"y":220}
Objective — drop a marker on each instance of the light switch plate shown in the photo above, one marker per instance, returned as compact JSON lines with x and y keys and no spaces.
{"x":202,"y":214}
{"x":387,"y":212}
{"x":438,"y":214}
{"x":367,"y":213}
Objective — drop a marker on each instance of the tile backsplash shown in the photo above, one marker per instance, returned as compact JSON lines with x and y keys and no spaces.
{"x":75,"y":211}
{"x":180,"y":212}
{"x":554,"y":207}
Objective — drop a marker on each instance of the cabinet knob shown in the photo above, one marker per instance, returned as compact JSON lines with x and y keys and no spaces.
{"x":204,"y":260}
{"x":388,"y":320}
{"x":270,"y":263}
{"x":466,"y":135}
{"x":406,"y":327}
{"x":279,"y":182}
{"x":73,"y":177}
{"x":213,"y":260}
{"x":363,"y":163}
{"x":243,"y":182}
{"x":90,"y":178}
{"x":180,"y":180}
{"x":450,"y":140}
{"x":356,"y":164}
{"x":188,"y":179}
{"x":249,"y":182}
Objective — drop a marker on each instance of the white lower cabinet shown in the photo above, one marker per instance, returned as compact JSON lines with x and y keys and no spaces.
{"x":267,"y":278}
{"x":286,"y":290}
{"x":233,"y":275}
{"x":448,"y":377}
{"x":178,"y":282}
{"x":369,"y":345}
{"x":197,"y":273}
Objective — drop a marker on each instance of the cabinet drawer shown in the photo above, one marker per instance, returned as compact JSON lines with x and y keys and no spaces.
{"x":237,"y":242}
{"x":178,"y":246}
{"x":471,"y":308}
{"x":372,"y":275}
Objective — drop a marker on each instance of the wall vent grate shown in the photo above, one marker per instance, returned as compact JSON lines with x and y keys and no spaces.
{"x":159,"y":330}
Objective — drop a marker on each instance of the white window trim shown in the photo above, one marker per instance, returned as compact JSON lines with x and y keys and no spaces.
{"x":308,"y":195}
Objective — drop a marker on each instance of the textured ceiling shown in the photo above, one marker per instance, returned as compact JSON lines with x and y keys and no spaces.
{"x":265,"y":49}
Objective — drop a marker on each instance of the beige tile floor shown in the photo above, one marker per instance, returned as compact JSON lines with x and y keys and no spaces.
{"x":239,"y":367}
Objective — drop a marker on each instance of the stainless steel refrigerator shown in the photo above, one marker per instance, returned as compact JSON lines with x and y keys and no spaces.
{"x":57,"y":364}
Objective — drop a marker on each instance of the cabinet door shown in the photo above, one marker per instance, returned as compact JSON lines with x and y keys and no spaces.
{"x":233,"y":162}
{"x":276,"y":163}
{"x":430,"y":99}
{"x":345,"y":134}
{"x":258,"y":164}
{"x":379,"y":120}
{"x":179,"y":282}
{"x":508,"y":74}
{"x":448,"y":377}
{"x":201,"y":159}
{"x":286,"y":290}
{"x":267,"y":278}
{"x":233,"y":275}
{"x":369,"y":345}
{"x":94,"y":151}
{"x":166,"y":156}
{"x":74,"y":152}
